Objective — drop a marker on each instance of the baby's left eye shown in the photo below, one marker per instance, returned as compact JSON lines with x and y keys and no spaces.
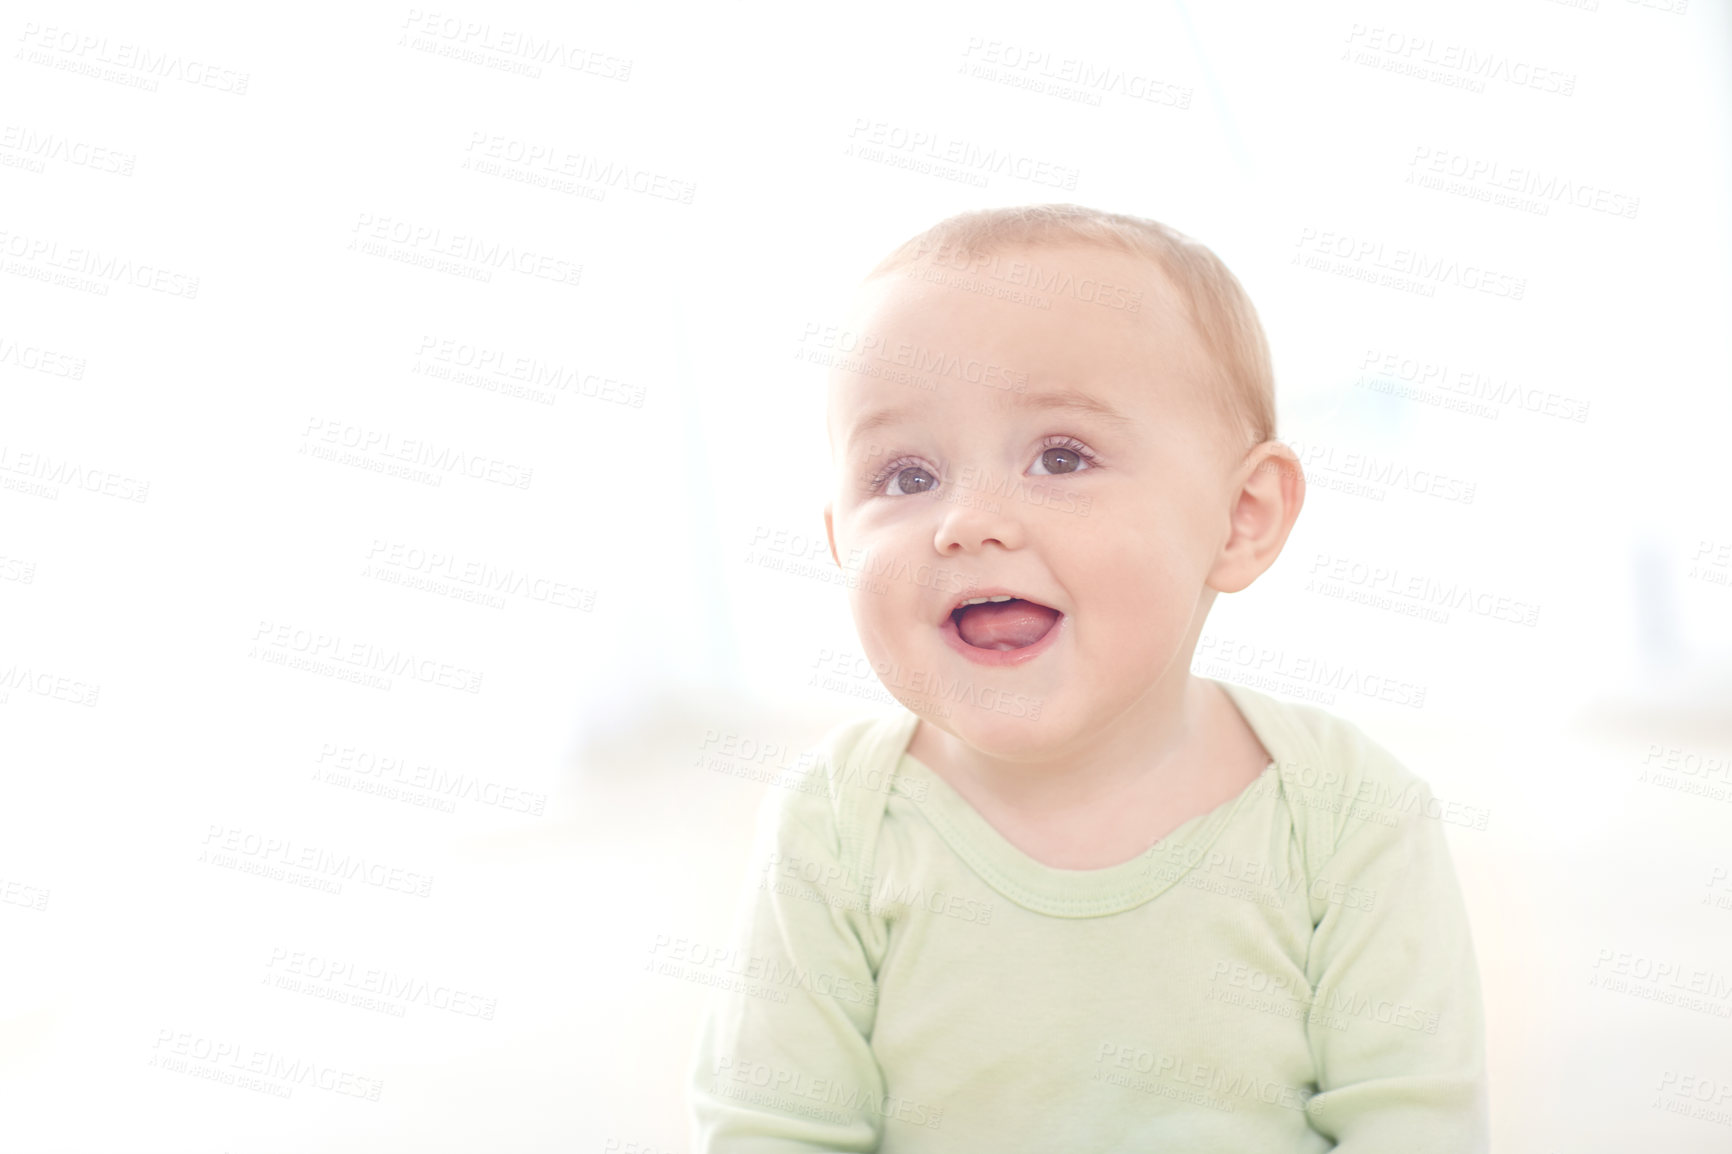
{"x":1059,"y":459}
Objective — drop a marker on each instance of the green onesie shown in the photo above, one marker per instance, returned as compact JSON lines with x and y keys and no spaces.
{"x":1291,"y":971}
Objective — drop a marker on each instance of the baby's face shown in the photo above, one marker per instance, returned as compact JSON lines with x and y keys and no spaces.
{"x":1097,"y":490}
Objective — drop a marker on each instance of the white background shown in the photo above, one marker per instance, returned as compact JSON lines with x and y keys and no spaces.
{"x":171,"y":539}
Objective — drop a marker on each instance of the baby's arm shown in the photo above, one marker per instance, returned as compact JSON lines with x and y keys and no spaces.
{"x":786,"y":1064}
{"x":1397,"y":1031}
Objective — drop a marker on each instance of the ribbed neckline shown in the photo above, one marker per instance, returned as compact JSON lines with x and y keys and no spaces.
{"x":1084,"y":893}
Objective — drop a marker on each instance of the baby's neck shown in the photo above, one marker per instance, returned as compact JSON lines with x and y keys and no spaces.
{"x":1088,"y":809}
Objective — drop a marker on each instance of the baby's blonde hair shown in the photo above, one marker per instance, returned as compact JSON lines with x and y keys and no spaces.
{"x":1220,"y":310}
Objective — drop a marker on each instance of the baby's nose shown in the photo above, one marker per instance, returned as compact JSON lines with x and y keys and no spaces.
{"x":970,"y":521}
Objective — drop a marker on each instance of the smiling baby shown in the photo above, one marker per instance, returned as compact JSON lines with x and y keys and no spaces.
{"x":1073,"y":897}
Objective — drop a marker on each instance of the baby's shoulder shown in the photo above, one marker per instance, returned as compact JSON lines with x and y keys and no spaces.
{"x":1339,"y":779}
{"x":834,"y":804}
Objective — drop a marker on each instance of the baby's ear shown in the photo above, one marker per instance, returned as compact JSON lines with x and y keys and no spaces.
{"x":1272,"y":491}
{"x":830,"y":532}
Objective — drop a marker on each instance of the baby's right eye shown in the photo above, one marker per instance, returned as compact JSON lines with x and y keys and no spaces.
{"x":903,"y":478}
{"x":909,"y":481}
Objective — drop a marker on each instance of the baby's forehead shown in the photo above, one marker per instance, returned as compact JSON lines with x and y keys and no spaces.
{"x":1037,"y":276}
{"x":947,"y":344}
{"x":1035,"y":304}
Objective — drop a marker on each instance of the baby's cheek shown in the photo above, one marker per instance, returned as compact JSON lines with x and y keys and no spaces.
{"x":1143,"y":574}
{"x":1148,"y":616}
{"x":885,"y":627}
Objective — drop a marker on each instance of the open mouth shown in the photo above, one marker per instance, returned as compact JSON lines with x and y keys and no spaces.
{"x":1003,"y":622}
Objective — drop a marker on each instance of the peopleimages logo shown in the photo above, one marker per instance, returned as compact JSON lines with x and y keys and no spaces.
{"x":229,"y":847}
{"x":385,"y":446}
{"x":92,"y":55}
{"x":473,"y":255}
{"x":287,"y":644}
{"x":1370,"y":259}
{"x":877,"y":139}
{"x":36,"y":255}
{"x":1018,"y":271}
{"x":230,"y":1062}
{"x":929,"y":687}
{"x":765,"y":976}
{"x":1068,"y":77}
{"x":46,"y":473}
{"x":750,"y":1081}
{"x":1454,"y":65}
{"x":844,"y":348}
{"x":353,"y":980}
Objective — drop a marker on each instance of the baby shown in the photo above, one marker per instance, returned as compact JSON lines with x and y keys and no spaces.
{"x":1073,"y":897}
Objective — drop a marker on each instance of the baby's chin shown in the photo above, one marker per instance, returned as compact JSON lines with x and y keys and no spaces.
{"x":1012,"y":729}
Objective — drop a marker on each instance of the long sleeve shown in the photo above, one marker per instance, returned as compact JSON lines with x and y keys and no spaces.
{"x":1397,"y":1024}
{"x":784,"y":1061}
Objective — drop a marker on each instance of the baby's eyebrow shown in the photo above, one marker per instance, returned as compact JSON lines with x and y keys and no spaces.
{"x":1073,"y":400}
{"x":1058,"y":400}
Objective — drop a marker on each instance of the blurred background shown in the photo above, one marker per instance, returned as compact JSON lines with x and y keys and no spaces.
{"x":412,"y":572}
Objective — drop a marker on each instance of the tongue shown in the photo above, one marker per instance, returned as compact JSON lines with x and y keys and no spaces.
{"x":1005,"y":624}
